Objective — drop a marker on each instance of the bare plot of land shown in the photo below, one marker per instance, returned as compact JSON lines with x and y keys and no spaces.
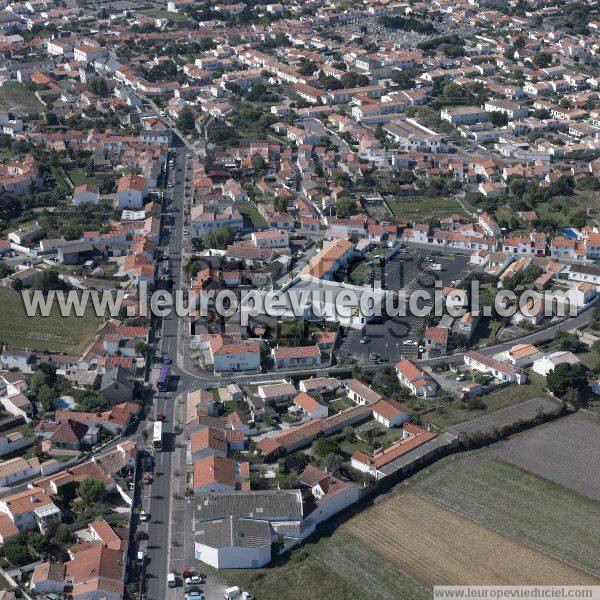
{"x":518,"y":504}
{"x":440,"y":547}
{"x":506,"y":416}
{"x":17,"y":98}
{"x":565,"y":451}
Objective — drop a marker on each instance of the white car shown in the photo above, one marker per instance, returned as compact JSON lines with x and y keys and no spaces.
{"x":194,"y":580}
{"x":144,"y":516}
{"x":409,"y":343}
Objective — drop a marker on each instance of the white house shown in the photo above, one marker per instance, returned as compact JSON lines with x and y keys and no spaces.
{"x":238,"y":355}
{"x":360,"y":393}
{"x":299,"y":356}
{"x":415,"y":379}
{"x":16,"y":469}
{"x":86,"y":193}
{"x":131,"y":191}
{"x":310,"y":407}
{"x":545,"y":364}
{"x":499,"y":370}
{"x":233,"y":543}
{"x":390,"y":413}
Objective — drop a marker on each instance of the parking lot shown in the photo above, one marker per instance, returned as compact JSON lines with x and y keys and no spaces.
{"x":398,"y":336}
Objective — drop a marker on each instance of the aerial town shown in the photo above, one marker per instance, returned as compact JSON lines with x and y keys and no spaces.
{"x":345,"y":161}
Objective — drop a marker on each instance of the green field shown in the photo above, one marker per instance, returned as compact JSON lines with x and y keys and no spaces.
{"x":448,"y":413}
{"x":16,"y":97}
{"x":340,"y":567}
{"x":422,"y":208}
{"x":520,"y":505}
{"x":54,"y":333}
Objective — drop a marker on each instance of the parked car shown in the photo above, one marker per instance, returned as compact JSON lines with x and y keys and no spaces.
{"x":160,"y":416}
{"x":171,"y":580}
{"x":194,"y":596}
{"x":232,"y":592}
{"x":409,"y":343}
{"x":144,"y":516}
{"x":194,"y":580}
{"x":461,"y":377}
{"x":365,"y":339}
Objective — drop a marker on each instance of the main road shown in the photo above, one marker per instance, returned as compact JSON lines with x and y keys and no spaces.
{"x":158,"y":499}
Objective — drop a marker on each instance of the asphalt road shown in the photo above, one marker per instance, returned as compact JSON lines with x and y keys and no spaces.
{"x":157,"y":500}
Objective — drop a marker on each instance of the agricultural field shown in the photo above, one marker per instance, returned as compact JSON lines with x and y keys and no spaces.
{"x":516,"y":504}
{"x":54,"y":333}
{"x":340,"y":567}
{"x":16,"y":98}
{"x":440,"y":547}
{"x":565,"y":451}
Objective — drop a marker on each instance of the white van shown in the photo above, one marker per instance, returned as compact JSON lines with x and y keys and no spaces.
{"x":233,"y":592}
{"x":171,"y":580}
{"x":141,"y":559}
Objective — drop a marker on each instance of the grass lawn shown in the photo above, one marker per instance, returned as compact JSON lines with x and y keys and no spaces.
{"x":518,"y":504}
{"x":16,"y":97}
{"x":339,"y":567}
{"x":78,"y":177}
{"x":451,"y":413}
{"x":54,"y":333}
{"x":250,"y":213}
{"x":165,"y":14}
{"x":360,"y":274}
{"x":422,"y":208}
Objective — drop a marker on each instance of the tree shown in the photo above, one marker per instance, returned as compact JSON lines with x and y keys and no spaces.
{"x":499,"y":119}
{"x":197,"y":244}
{"x":564,"y":186}
{"x":141,"y":348}
{"x":94,"y":403}
{"x":62,"y":535}
{"x":324,"y":446}
{"x":185,"y":120}
{"x":16,"y":552}
{"x":37,"y":543}
{"x":45,"y":396}
{"x":91,"y":490}
{"x":569,"y":342}
{"x":565,"y":377}
{"x":542,"y":59}
{"x":47,"y":280}
{"x":98,"y":86}
{"x":258,"y":163}
{"x":345,"y":207}
{"x":294,"y":462}
{"x":332,"y":463}
{"x":219,"y":238}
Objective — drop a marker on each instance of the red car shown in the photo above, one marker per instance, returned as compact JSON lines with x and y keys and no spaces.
{"x":160,"y":416}
{"x":146,"y":479}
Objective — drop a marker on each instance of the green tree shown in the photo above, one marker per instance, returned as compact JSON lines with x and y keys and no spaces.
{"x":15,"y":553}
{"x":324,"y":446}
{"x":62,"y":536}
{"x":219,"y":238}
{"x":332,"y":463}
{"x":37,"y":543}
{"x":98,"y":86}
{"x":47,"y":280}
{"x":542,"y":59}
{"x":565,"y":377}
{"x":45,"y":395}
{"x":91,"y":490}
{"x":258,"y":163}
{"x":185,"y":120}
{"x":345,"y":207}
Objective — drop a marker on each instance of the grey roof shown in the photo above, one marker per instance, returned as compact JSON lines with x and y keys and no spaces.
{"x":265,"y":505}
{"x":233,"y":532}
{"x":585,"y":269}
{"x":119,"y":375}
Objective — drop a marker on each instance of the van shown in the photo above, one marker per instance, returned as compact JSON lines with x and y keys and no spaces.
{"x":233,"y":592}
{"x":141,"y":559}
{"x":171,"y":581}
